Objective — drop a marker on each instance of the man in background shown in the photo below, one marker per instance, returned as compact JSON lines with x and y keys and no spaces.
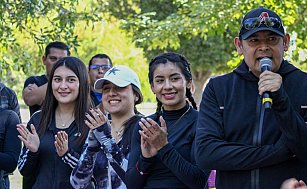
{"x":97,"y":67}
{"x":8,"y":99}
{"x":35,"y":86}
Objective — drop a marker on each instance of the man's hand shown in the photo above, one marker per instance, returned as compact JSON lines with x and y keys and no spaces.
{"x":269,"y":81}
{"x":34,"y":95}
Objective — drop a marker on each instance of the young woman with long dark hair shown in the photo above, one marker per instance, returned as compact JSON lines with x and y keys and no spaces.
{"x":162,"y":154}
{"x":58,"y":130}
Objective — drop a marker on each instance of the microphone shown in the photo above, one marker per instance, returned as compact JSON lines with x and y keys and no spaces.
{"x":266,"y":64}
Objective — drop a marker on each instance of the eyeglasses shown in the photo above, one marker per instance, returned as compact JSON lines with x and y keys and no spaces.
{"x":270,"y":22}
{"x":103,"y":67}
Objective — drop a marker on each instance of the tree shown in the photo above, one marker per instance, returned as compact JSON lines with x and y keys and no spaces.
{"x":202,"y":30}
{"x":27,"y":26}
{"x":39,"y":22}
{"x":106,"y":37}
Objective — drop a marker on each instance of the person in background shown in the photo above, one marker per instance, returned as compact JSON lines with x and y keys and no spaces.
{"x":108,"y":144}
{"x":254,"y":140}
{"x":97,"y":67}
{"x":8,"y":99}
{"x":34,"y":91}
{"x":293,"y":184}
{"x":162,"y":152}
{"x":57,"y":130}
{"x":10,"y":145}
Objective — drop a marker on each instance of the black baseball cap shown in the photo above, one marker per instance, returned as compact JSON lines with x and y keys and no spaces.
{"x":261,"y":19}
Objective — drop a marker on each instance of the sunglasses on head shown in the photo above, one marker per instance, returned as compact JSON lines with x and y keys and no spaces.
{"x":96,"y":67}
{"x":270,"y":22}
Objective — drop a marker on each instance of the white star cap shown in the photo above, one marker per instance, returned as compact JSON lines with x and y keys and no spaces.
{"x":120,"y":76}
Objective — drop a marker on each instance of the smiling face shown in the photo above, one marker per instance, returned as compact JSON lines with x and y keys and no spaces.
{"x":169,"y":86}
{"x":263,"y":44}
{"x":118,"y":100}
{"x":65,"y":85}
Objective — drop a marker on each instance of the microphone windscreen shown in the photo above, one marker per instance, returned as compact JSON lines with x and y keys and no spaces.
{"x":265,"y":64}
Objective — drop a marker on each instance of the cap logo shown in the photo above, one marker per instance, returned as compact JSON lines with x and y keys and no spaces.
{"x":113,"y":71}
{"x":263,"y":16}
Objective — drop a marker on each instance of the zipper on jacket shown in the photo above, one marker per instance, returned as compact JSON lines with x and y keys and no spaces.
{"x":257,"y":140}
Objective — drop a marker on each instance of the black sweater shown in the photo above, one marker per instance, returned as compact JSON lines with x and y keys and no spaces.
{"x":229,"y":139}
{"x":174,"y":165}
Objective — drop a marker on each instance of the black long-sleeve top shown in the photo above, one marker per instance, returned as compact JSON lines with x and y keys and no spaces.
{"x":49,"y":170}
{"x":174,"y":165}
{"x":10,"y":144}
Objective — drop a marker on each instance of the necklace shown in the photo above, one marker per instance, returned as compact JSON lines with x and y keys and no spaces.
{"x":180,"y":117}
{"x":119,"y":133}
{"x":64,"y":124}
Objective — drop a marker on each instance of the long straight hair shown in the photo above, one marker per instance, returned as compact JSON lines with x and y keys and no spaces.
{"x":81,"y":103}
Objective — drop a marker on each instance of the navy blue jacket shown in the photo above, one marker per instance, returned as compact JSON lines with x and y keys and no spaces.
{"x":230,"y":140}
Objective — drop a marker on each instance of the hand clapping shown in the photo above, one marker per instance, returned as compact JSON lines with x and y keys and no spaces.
{"x":153,"y":137}
{"x":96,"y":119}
{"x":29,"y":138}
{"x":61,"y":143}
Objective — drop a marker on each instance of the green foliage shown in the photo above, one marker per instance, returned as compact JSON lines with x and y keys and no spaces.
{"x":166,"y":24}
{"x":201,"y":30}
{"x":204,"y":30}
{"x":27,"y":26}
{"x":106,"y":37}
{"x":24,"y":23}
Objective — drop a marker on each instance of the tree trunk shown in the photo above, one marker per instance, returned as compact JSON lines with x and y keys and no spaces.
{"x":200,"y":79}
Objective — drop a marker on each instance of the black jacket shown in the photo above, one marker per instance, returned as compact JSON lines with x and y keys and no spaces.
{"x":8,"y":99}
{"x":10,"y":144}
{"x":229,"y":137}
{"x":50,"y":171}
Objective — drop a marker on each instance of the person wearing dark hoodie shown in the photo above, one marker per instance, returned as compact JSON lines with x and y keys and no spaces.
{"x":252,"y":122}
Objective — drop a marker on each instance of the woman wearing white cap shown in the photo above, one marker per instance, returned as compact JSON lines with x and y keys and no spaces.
{"x":104,"y":159}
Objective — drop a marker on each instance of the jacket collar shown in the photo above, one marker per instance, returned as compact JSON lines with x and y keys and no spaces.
{"x":244,"y":71}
